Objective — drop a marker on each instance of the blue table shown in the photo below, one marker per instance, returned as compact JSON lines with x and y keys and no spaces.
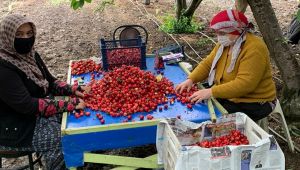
{"x":87,"y":134}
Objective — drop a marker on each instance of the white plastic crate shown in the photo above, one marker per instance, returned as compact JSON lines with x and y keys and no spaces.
{"x":254,"y":132}
{"x":172,"y":148}
{"x":260,"y":154}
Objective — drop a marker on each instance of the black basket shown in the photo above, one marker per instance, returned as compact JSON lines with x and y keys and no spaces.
{"x":114,"y":54}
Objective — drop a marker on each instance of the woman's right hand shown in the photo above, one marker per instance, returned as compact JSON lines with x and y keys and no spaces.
{"x":80,"y":105}
{"x":187,"y":84}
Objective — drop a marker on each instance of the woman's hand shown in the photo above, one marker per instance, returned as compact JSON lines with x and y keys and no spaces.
{"x":80,"y":105}
{"x":201,"y":95}
{"x":85,"y":89}
{"x":187,"y":84}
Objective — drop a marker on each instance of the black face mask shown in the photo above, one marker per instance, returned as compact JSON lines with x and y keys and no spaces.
{"x":24,"y":45}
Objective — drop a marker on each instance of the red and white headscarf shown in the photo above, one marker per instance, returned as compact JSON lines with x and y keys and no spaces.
{"x":231,"y":22}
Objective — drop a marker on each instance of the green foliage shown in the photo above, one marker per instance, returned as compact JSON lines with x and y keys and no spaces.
{"x":75,"y":4}
{"x":183,"y":25}
{"x":203,"y":42}
{"x":101,"y":6}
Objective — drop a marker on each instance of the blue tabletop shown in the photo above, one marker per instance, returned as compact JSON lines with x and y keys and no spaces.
{"x":74,"y":145}
{"x":174,"y":73}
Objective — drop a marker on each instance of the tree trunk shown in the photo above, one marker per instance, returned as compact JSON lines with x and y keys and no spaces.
{"x":184,"y":6}
{"x":179,"y":7}
{"x":281,"y":53}
{"x":183,"y":10}
{"x":189,"y":12}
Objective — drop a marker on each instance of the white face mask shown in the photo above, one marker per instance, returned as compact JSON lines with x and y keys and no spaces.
{"x":224,"y":40}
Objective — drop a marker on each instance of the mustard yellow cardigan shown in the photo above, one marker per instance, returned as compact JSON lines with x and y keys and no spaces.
{"x":251,"y":79}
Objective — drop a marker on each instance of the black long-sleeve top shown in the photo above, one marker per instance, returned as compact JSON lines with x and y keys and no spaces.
{"x":22,"y":101}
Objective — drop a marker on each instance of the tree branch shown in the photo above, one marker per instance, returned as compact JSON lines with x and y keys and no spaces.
{"x":192,"y":8}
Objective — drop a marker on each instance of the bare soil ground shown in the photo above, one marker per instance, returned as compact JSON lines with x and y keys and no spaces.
{"x":65,"y":34}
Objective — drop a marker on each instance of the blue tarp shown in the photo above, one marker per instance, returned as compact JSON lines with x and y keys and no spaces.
{"x":75,"y":145}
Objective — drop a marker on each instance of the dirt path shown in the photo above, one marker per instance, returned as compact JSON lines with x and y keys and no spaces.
{"x":65,"y":34}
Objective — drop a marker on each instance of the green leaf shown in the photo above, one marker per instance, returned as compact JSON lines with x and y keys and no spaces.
{"x":73,"y":3}
{"x":81,"y":3}
{"x":76,"y":5}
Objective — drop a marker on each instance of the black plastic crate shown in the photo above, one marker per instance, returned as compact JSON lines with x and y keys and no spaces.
{"x":116,"y":53}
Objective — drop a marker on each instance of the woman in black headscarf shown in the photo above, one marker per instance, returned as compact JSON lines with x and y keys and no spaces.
{"x":29,"y":120}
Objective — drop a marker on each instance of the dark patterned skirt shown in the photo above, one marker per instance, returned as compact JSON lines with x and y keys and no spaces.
{"x":46,"y":141}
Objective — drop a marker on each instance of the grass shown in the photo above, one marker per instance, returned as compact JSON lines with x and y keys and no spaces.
{"x":183,"y":25}
{"x":202,"y":42}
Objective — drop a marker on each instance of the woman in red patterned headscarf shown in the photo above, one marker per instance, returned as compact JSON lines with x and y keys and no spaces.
{"x":238,"y":69}
{"x":29,"y":120}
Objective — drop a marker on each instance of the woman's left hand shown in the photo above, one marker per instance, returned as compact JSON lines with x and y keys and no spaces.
{"x":201,"y":95}
{"x":85,"y":89}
